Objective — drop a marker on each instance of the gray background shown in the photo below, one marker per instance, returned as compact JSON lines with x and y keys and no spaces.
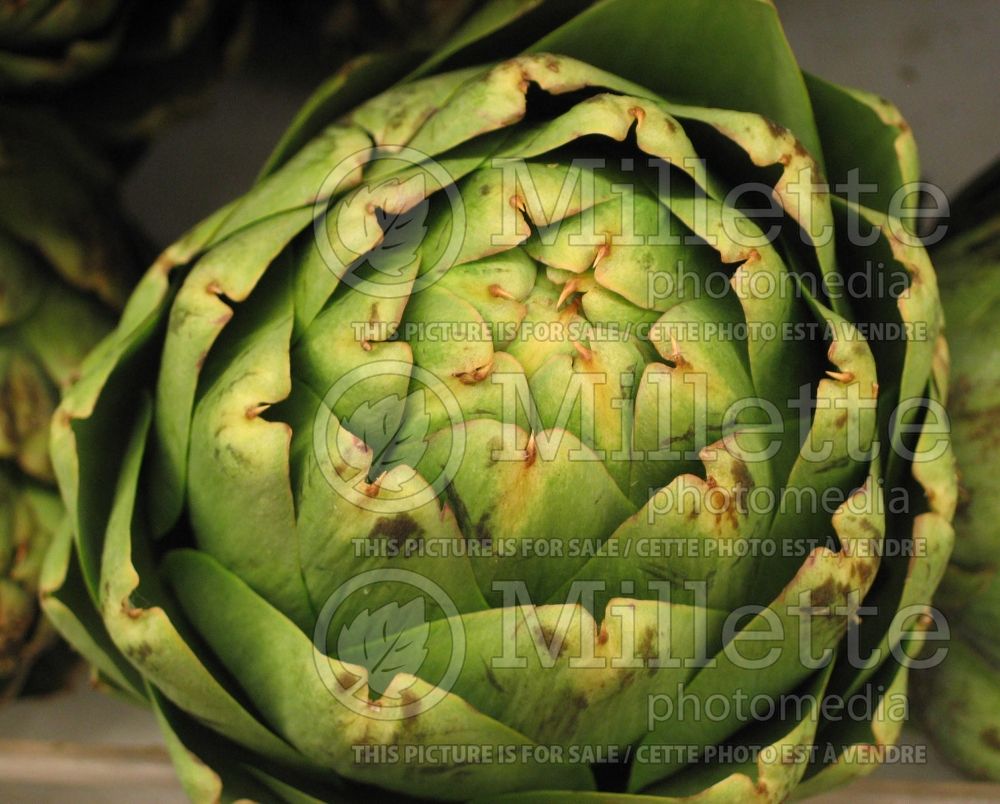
{"x":937,"y":59}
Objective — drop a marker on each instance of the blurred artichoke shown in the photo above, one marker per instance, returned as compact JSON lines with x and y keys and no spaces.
{"x":300,"y":42}
{"x":960,"y":698}
{"x":116,"y":68}
{"x":353,"y":26}
{"x":489,"y":433}
{"x":66,"y":264}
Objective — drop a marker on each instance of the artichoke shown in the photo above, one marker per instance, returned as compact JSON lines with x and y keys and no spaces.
{"x":544,"y":424}
{"x":959,"y":698}
{"x":65,"y":262}
{"x":117,"y":68}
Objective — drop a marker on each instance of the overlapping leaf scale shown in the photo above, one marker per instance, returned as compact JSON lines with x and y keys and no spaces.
{"x":911,"y":368}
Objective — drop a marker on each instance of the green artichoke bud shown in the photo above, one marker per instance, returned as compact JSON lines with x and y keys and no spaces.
{"x":64,"y":269}
{"x":117,"y":68}
{"x":540,"y":407}
{"x":959,"y":699}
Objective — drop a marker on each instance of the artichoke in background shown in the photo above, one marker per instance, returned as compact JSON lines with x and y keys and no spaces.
{"x":118,"y":69}
{"x":352,"y":26}
{"x":490,"y":432}
{"x":959,"y":699}
{"x":301,"y":42}
{"x":66,"y":265}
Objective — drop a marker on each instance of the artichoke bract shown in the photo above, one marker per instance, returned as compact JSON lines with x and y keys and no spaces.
{"x":64,"y":270}
{"x":116,"y":68}
{"x":550,"y":420}
{"x":959,"y":698}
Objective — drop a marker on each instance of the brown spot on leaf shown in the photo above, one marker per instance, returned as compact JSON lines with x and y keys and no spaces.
{"x":484,"y":531}
{"x":742,"y":476}
{"x":139,"y":652}
{"x":824,"y":595}
{"x":396,"y":530}
{"x":991,"y":737}
{"x":647,"y":643}
{"x":491,"y":677}
{"x":864,"y":570}
{"x":717,"y":499}
{"x":549,"y":635}
{"x":777,"y":130}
